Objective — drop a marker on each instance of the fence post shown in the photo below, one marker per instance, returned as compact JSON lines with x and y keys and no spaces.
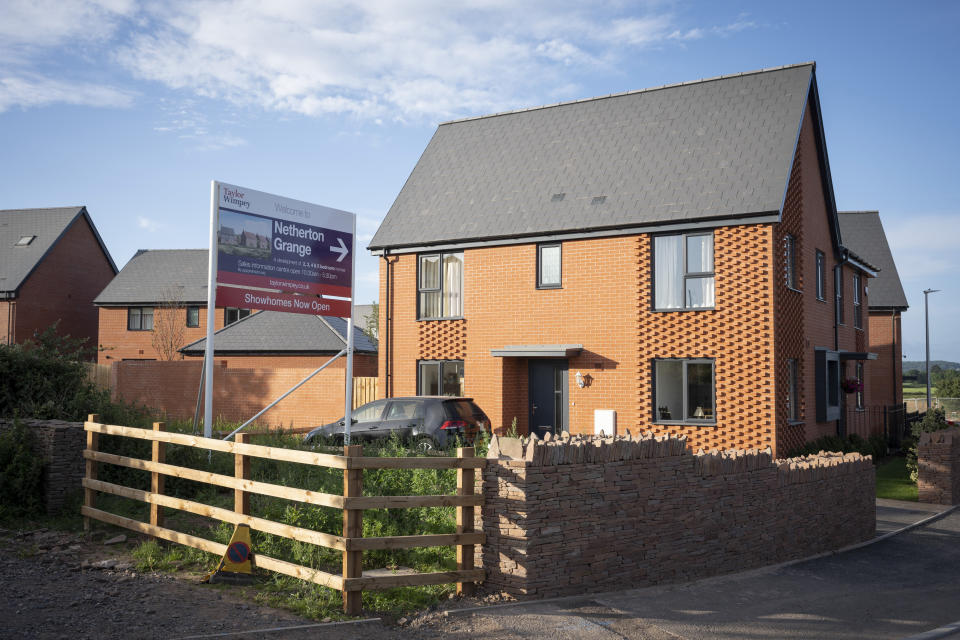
{"x":159,"y":455}
{"x":241,"y":469}
{"x":352,"y":528}
{"x":466,"y":485}
{"x":89,"y":495}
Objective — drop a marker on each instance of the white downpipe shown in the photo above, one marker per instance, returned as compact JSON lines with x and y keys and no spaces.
{"x":211,"y":312}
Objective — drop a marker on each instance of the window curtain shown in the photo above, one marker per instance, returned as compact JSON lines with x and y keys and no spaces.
{"x":668,"y":265}
{"x":453,"y":285}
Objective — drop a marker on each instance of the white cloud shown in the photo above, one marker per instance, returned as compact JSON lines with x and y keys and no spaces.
{"x":36,"y":91}
{"x":377,"y":60}
{"x":152,"y":226}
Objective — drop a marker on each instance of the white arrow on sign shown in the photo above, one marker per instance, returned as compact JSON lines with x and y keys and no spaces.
{"x":342,"y":250}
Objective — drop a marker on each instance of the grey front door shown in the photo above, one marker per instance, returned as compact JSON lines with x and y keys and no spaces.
{"x":548,"y":390}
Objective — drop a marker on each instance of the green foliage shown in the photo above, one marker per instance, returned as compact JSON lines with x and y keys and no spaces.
{"x":512,"y":432}
{"x":893,"y":480}
{"x":948,"y":383}
{"x":875,"y":445}
{"x":933,"y":420}
{"x":372,"y":321}
{"x":21,"y":474}
{"x":45,"y":378}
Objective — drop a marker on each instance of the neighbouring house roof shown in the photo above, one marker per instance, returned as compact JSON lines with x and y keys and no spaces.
{"x":150,"y":276}
{"x":693,"y":152}
{"x":862,"y":231}
{"x":45,"y":227}
{"x":276,"y":333}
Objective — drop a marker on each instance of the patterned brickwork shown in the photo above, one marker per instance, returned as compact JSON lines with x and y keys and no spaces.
{"x":445,"y":340}
{"x":938,"y":467}
{"x":738,"y":335}
{"x":790,"y":327}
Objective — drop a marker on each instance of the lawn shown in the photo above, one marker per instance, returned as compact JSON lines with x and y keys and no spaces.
{"x":917,"y":390}
{"x":893,"y":481}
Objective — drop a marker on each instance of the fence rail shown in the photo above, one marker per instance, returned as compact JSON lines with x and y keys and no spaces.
{"x":351,"y":543}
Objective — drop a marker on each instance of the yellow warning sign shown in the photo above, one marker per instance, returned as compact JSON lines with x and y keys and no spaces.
{"x":237,"y":563}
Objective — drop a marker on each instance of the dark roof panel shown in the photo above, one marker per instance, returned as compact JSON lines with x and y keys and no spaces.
{"x":709,"y":149}
{"x":862,"y":232}
{"x":47,"y":225}
{"x":277,"y":333}
{"x":151,"y":276}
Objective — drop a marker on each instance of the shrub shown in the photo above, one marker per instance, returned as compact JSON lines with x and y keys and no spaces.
{"x":933,"y":420}
{"x":875,"y":445}
{"x":21,"y":474}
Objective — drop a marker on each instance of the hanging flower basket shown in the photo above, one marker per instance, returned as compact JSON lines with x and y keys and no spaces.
{"x":851,"y":385}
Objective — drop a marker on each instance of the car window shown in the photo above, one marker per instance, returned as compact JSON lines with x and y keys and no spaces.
{"x":405,"y":409}
{"x":369,"y":412}
{"x":462,"y":409}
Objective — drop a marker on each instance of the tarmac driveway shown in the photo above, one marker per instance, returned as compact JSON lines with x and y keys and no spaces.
{"x":895,"y":588}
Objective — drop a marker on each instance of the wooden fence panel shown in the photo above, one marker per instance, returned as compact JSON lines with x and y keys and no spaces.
{"x":364,"y":391}
{"x":351,"y":543}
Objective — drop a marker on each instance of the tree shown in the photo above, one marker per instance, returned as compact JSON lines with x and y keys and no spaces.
{"x":168,"y":325}
{"x":372,"y":322}
{"x":948,"y":384}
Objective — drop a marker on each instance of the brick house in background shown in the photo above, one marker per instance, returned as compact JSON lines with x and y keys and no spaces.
{"x":863,"y":232}
{"x":53,"y":263}
{"x":130,"y":304}
{"x":671,"y":254}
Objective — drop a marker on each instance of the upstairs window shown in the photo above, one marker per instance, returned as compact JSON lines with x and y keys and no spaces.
{"x":231,"y":315}
{"x":683,"y":271}
{"x":857,"y":303}
{"x":440,"y":282}
{"x":193,"y":316}
{"x":821,"y":275}
{"x":140,"y":319}
{"x":548,"y":266}
{"x":790,"y":261}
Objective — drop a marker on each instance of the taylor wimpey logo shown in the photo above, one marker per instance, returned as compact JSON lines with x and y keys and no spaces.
{"x":234,"y":197}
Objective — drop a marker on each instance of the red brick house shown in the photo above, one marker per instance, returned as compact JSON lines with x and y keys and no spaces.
{"x":53,"y":263}
{"x":671,"y":254}
{"x":863,"y":232}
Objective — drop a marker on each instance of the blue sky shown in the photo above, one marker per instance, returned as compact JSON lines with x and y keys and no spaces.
{"x":131,"y":108}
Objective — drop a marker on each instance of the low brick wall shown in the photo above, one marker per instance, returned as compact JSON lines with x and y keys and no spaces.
{"x":574,"y":515}
{"x":61,"y":446}
{"x":938,"y":466}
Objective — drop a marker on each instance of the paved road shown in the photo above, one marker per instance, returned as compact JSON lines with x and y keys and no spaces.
{"x":898,"y":587}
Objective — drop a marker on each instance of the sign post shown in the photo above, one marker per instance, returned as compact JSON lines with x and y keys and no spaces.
{"x":268,"y":252}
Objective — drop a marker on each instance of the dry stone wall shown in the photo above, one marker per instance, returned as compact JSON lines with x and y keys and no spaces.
{"x":61,"y":446}
{"x":568,"y":515}
{"x":938,"y":466}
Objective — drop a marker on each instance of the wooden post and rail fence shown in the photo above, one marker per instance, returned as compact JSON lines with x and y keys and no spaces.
{"x":351,"y":582}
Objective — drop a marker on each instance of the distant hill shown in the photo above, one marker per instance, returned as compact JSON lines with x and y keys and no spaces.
{"x":921,"y":365}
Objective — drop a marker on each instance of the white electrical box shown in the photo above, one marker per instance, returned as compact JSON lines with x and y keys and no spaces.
{"x":605,"y":422}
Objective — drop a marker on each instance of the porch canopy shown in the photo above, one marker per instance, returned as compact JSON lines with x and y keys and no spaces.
{"x":537,"y":351}
{"x":856,"y":355}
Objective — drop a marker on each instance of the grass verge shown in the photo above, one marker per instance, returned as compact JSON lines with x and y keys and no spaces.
{"x":893,"y":480}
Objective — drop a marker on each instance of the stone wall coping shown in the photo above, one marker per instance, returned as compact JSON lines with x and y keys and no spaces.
{"x":944,"y":436}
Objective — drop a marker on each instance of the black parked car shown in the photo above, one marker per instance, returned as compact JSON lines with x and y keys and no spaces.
{"x":430,"y":421}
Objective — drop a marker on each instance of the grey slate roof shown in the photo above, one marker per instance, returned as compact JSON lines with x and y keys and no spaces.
{"x":703,"y":150}
{"x":148,"y":276}
{"x":48,"y":225}
{"x":862,"y":232}
{"x":272,"y":332}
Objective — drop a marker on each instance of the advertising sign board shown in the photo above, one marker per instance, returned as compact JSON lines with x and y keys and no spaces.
{"x":271,"y":242}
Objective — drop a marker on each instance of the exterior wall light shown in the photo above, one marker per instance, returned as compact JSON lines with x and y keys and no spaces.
{"x":580,"y":381}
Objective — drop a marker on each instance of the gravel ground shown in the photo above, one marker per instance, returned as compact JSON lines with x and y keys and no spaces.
{"x":71,"y":585}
